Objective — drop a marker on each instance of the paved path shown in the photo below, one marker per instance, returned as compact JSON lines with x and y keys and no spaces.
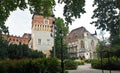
{"x":87,"y":69}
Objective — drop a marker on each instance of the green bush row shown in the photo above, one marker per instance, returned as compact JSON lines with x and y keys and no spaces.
{"x":14,"y":51}
{"x":44,"y":65}
{"x":72,"y":64}
{"x":80,"y":62}
{"x":88,"y":60}
{"x":113,"y":63}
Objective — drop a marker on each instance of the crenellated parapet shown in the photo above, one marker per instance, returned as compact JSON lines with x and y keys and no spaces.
{"x":40,"y":23}
{"x":17,"y":39}
{"x":39,"y":27}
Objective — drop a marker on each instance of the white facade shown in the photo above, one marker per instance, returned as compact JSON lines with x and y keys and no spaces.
{"x":81,"y":44}
{"x":42,"y":40}
{"x":41,"y":34}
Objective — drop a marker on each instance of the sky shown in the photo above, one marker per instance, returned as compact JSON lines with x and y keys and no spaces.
{"x":19,"y":22}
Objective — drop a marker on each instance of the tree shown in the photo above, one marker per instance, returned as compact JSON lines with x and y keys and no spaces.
{"x":108,"y":18}
{"x":72,"y":8}
{"x":3,"y":48}
{"x":14,"y":51}
{"x":60,"y":25}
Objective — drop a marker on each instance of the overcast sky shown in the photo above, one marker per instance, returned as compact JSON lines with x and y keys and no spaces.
{"x":19,"y":22}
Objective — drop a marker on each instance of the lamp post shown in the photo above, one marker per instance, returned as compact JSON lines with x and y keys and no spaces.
{"x":101,"y":56}
{"x":54,"y":30}
{"x":62,"y":59}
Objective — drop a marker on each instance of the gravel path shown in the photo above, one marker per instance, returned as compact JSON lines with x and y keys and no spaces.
{"x":87,"y":69}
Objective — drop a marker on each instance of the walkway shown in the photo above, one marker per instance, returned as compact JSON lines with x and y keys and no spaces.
{"x":87,"y":69}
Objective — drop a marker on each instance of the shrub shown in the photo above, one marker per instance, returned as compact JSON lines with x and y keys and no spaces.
{"x":114,"y":63}
{"x":44,"y":65}
{"x":88,"y":60}
{"x":95,"y":63}
{"x":70,"y":64}
{"x":80,"y":62}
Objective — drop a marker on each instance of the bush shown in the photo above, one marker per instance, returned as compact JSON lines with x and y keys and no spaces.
{"x":80,"y":62}
{"x":114,"y":63}
{"x":14,"y":51}
{"x":70,"y":64}
{"x":95,"y":63}
{"x":44,"y":65}
{"x":88,"y":60}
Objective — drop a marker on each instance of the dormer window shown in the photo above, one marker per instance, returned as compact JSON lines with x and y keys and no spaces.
{"x":39,"y":41}
{"x":46,"y":21}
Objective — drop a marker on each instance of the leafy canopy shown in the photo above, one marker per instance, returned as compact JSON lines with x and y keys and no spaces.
{"x":108,"y":17}
{"x":72,"y":8}
{"x":59,"y":23}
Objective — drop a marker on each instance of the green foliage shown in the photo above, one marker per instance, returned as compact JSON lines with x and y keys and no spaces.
{"x":108,"y":51}
{"x":108,"y":18}
{"x":59,"y":22}
{"x":13,"y":51}
{"x":44,"y":65}
{"x":35,"y":7}
{"x":116,"y":50}
{"x":71,"y":64}
{"x":102,"y":50}
{"x":88,"y":60}
{"x":3,"y":49}
{"x":7,"y":6}
{"x":115,"y":39}
{"x":41,"y":6}
{"x":72,"y":8}
{"x":113,"y":64}
{"x":80,"y":62}
{"x":103,"y":10}
{"x":95,"y":63}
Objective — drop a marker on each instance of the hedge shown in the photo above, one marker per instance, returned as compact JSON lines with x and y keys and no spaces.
{"x":72,"y":64}
{"x":114,"y":63}
{"x":45,"y":65}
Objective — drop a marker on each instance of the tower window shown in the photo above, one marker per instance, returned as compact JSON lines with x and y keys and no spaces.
{"x":48,"y":41}
{"x":39,"y":41}
{"x":46,"y":21}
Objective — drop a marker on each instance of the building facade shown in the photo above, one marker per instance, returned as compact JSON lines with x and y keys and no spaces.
{"x":17,"y":39}
{"x":41,"y":39}
{"x":81,"y":44}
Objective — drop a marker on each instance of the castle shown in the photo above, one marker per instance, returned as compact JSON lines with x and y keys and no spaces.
{"x":81,"y":43}
{"x":40,"y":39}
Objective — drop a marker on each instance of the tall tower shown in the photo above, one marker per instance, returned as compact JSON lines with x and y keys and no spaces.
{"x":41,"y":30}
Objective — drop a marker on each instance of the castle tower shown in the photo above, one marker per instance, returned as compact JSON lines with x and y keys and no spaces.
{"x":41,"y":30}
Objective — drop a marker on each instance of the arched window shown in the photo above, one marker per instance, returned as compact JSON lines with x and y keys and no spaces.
{"x":82,"y":44}
{"x":92,"y":44}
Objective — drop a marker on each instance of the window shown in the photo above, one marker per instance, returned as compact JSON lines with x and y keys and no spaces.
{"x":39,"y":41}
{"x":48,"y":41}
{"x":10,"y":39}
{"x":13,"y":39}
{"x":92,"y":44}
{"x":82,"y":44}
{"x":46,"y":21}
